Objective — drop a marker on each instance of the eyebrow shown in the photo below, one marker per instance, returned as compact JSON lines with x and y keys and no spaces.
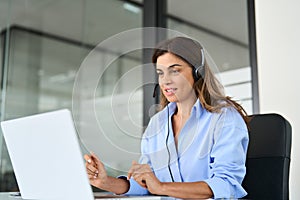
{"x":171,"y":66}
{"x":174,"y":65}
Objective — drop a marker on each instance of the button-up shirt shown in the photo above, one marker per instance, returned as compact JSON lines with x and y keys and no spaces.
{"x":211,"y":147}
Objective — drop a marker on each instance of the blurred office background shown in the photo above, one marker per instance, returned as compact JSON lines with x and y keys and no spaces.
{"x":44,"y":43}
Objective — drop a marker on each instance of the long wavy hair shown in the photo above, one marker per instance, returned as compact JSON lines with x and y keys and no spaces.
{"x":207,"y":87}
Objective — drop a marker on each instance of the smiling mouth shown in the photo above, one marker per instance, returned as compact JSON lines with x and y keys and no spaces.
{"x":170,"y":91}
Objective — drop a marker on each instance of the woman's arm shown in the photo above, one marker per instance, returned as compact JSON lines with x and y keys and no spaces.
{"x":99,"y":178}
{"x":114,"y":185}
{"x":198,"y":190}
{"x":144,"y":176}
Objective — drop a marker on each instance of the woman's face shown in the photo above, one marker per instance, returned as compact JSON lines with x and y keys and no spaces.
{"x":175,"y":78}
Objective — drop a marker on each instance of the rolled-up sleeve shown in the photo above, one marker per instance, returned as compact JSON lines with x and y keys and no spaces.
{"x":135,"y":188}
{"x":227,"y":167}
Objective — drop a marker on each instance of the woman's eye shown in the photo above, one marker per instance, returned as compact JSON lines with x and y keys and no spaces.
{"x":174,"y":71}
{"x":159,"y":73}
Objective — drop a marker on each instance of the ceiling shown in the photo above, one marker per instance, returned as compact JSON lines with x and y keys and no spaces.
{"x":94,"y":20}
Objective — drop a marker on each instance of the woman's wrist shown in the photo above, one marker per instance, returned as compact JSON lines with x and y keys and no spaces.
{"x":163,"y":188}
{"x":115,"y":185}
{"x":126,"y":184}
{"x":102,"y":183}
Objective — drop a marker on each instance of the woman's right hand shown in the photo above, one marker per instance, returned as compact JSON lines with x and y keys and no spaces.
{"x":96,"y":171}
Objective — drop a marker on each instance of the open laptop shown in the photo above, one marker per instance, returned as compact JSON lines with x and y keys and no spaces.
{"x":46,"y":157}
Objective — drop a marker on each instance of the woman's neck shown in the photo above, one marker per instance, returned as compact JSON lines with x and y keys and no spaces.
{"x":184,"y":108}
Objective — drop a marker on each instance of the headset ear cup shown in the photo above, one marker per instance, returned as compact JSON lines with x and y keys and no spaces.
{"x":195,"y":75}
{"x":199,"y":72}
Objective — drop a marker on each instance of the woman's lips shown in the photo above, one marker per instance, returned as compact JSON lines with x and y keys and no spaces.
{"x":169,"y":91}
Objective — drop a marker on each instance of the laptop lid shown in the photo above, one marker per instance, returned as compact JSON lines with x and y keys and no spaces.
{"x":46,"y":156}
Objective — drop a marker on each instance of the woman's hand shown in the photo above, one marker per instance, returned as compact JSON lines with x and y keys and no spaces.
{"x":99,"y":178}
{"x":144,"y":176}
{"x":96,"y":171}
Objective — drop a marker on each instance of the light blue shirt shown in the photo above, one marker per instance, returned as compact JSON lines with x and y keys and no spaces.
{"x":212,"y":147}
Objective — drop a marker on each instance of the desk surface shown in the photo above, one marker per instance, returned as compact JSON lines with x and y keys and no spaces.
{"x":14,"y":196}
{"x":7,"y":196}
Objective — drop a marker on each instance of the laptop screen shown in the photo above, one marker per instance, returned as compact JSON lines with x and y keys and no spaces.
{"x":46,"y":156}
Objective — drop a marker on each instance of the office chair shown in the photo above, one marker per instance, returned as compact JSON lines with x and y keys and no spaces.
{"x":268,"y":157}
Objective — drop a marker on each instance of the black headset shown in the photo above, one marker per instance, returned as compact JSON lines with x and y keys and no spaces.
{"x":199,"y":71}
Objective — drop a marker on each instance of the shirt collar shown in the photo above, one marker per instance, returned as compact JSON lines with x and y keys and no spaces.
{"x":197,"y":108}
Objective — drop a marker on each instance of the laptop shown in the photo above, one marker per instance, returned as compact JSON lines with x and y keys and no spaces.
{"x":47,"y":159}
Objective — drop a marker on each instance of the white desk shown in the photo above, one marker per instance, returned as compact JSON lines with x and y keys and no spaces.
{"x":10,"y":196}
{"x":7,"y":196}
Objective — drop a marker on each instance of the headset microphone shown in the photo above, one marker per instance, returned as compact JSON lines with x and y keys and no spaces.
{"x":154,"y":90}
{"x":168,"y":133}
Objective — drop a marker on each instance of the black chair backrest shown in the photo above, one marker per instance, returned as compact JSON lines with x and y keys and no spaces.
{"x":268,"y":157}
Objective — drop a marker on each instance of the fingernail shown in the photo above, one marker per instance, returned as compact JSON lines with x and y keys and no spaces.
{"x":89,"y":161}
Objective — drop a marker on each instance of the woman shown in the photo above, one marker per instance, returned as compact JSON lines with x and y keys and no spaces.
{"x":195,"y":147}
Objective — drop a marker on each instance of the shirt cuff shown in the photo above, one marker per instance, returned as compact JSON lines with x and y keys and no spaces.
{"x":219,"y":187}
{"x":134,"y":187}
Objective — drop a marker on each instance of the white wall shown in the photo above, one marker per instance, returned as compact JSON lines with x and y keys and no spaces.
{"x":278,"y":43}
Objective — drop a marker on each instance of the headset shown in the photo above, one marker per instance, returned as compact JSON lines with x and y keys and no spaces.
{"x":197,"y":73}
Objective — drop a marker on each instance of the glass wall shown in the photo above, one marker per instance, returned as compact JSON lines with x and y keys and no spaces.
{"x":48,"y":42}
{"x":222,"y":28}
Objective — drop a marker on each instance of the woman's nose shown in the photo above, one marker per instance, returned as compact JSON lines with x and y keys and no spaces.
{"x":166,"y":79}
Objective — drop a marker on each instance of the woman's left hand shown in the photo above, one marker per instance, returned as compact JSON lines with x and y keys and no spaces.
{"x":144,"y":176}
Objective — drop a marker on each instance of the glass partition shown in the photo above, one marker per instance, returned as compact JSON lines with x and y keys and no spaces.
{"x":222,"y":28}
{"x":48,"y":42}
